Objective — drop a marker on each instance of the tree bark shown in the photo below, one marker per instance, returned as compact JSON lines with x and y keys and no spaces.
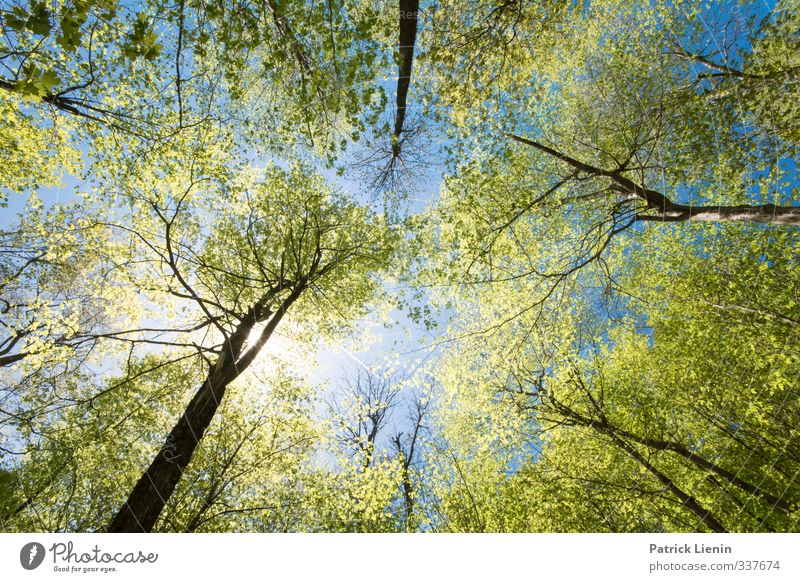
{"x":147,"y":500}
{"x":409,"y":13}
{"x":778,"y":503}
{"x":602,"y":426}
{"x":764,"y":213}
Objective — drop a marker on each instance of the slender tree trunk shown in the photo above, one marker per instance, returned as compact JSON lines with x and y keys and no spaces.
{"x":12,"y":359}
{"x":664,"y":209}
{"x":688,"y":501}
{"x":765,"y":213}
{"x":763,"y":313}
{"x":409,"y":13}
{"x":604,"y":427}
{"x":30,"y":499}
{"x":408,"y":497}
{"x":208,"y":501}
{"x":776,"y":502}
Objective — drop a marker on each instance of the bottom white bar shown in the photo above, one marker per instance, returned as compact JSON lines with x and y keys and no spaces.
{"x":410,"y":557}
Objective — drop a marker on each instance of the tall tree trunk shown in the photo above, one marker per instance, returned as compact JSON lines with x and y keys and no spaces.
{"x":603,"y":426}
{"x":150,"y":494}
{"x":147,"y":500}
{"x":778,"y":503}
{"x":409,"y":14}
{"x":764,"y":213}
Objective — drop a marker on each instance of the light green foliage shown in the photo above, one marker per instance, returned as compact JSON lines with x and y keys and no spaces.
{"x":194,"y":263}
{"x":33,"y":156}
{"x":254,"y":453}
{"x":606,"y":357}
{"x":247,"y":475}
{"x":684,"y":335}
{"x":699,"y":365}
{"x":354,"y":499}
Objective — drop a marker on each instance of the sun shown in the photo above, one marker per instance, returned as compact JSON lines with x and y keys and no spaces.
{"x":283,"y":349}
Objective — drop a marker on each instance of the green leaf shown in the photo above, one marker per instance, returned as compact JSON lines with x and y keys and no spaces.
{"x":39,"y":19}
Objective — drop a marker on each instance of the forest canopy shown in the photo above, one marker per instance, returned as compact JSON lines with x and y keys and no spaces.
{"x":358,"y":266}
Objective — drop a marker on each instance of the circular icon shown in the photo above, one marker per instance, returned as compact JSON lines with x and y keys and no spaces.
{"x":31,"y":555}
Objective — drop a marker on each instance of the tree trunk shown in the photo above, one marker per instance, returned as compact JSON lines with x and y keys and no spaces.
{"x":664,"y":209}
{"x":686,"y":500}
{"x":602,"y":426}
{"x":148,"y":498}
{"x":778,"y":503}
{"x":765,"y":213}
{"x":409,"y":13}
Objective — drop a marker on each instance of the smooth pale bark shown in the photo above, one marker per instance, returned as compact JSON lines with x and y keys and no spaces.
{"x":763,"y":313}
{"x":765,"y":213}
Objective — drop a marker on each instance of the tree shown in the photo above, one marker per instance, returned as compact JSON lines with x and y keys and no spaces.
{"x":191,"y":87}
{"x":243,"y":476}
{"x":248,"y":472}
{"x":376,"y":436}
{"x":607,"y":278}
{"x":664,"y":403}
{"x":653,"y":205}
{"x":394,"y":152}
{"x":50,"y":56}
{"x":288,"y":238}
{"x":602,"y":134}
